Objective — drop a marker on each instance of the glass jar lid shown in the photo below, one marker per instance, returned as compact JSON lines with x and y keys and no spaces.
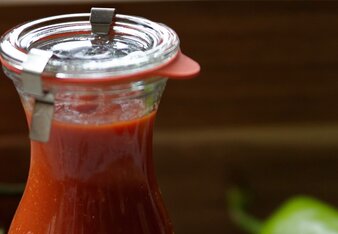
{"x":133,"y":45}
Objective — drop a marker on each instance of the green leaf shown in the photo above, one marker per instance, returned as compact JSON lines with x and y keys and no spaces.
{"x":303,"y":215}
{"x":237,"y":201}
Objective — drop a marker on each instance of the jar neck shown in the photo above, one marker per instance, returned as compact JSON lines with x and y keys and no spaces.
{"x":94,"y":126}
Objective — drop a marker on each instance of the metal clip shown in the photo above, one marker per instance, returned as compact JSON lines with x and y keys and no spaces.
{"x":42,"y":118}
{"x":101,"y":20}
{"x":32,"y":69}
{"x":43,"y":109}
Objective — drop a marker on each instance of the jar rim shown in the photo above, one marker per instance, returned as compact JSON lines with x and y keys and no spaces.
{"x":134,"y":46}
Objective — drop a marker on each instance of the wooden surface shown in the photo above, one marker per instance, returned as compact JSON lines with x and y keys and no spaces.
{"x":69,"y":2}
{"x":262,"y":113}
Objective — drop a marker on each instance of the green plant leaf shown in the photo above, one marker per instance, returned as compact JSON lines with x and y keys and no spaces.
{"x":302,"y":215}
{"x":237,"y":200}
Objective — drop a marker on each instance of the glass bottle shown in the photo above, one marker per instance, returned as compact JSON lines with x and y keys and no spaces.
{"x":94,"y":172}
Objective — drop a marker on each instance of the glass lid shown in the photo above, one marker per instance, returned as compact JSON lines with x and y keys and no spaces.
{"x":133,"y":45}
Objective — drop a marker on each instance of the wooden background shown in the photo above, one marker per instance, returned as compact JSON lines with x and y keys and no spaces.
{"x":263,"y":112}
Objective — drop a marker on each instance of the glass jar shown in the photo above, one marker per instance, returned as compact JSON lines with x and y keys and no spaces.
{"x":92,"y":172}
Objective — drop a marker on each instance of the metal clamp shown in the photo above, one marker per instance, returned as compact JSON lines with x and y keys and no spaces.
{"x":101,"y":20}
{"x":43,"y":109}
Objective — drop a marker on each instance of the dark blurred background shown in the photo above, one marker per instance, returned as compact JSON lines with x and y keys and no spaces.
{"x":262,"y":114}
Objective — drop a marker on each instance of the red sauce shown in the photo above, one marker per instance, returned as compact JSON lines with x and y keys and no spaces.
{"x":93,"y":179}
